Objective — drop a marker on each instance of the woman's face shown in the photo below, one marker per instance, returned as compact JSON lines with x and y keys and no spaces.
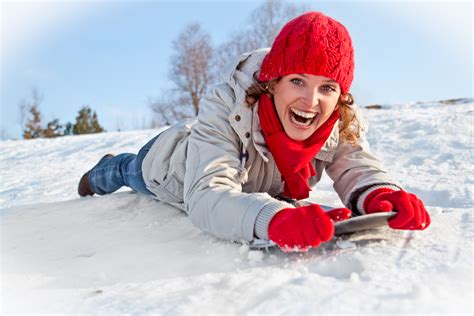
{"x":304,"y":102}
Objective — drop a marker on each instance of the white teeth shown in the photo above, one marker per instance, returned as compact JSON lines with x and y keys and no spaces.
{"x":307,"y":115}
{"x":307,"y":123}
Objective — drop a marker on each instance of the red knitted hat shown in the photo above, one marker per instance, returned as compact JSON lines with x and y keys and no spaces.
{"x":313,"y":44}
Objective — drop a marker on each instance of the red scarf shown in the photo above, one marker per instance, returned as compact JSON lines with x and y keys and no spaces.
{"x":292,"y":157}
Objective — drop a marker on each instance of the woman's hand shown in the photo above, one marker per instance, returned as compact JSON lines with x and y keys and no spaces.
{"x":300,"y":228}
{"x":411,"y":213}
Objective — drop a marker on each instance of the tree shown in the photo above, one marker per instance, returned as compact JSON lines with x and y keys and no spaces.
{"x":67,"y":129}
{"x":53,"y":129}
{"x":191,"y":64}
{"x":33,"y":127}
{"x":32,"y":122}
{"x":194,"y":65}
{"x":96,"y":128}
{"x":86,"y":122}
{"x":169,"y":110}
{"x":30,"y":116}
{"x":262,"y":27}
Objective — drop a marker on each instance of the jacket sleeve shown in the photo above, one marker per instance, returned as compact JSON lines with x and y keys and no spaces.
{"x":354,"y":169}
{"x":213,"y":196}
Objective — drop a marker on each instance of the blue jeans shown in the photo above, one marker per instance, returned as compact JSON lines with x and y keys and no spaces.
{"x":110,"y":174}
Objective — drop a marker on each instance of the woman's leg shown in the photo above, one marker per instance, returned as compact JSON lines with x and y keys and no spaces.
{"x":113,"y":172}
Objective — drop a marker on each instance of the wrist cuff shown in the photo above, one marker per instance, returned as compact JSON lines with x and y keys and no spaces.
{"x":264,"y":218}
{"x":363,"y":195}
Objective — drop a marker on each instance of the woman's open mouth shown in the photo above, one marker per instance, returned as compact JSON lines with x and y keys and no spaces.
{"x":302,"y":118}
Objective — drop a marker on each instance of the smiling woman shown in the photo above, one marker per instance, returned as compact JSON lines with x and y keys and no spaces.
{"x":262,"y":136}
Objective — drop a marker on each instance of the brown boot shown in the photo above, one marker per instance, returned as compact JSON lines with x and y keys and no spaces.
{"x":84,"y":189}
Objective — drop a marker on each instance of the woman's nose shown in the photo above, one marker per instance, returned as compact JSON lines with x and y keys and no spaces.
{"x":312,"y":98}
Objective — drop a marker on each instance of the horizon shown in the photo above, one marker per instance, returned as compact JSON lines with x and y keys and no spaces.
{"x":114,"y":55}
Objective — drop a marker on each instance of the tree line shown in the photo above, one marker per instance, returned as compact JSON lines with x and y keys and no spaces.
{"x":33,"y":125}
{"x":195,"y":66}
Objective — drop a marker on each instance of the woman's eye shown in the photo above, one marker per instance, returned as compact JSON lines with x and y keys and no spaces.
{"x":297,"y":81}
{"x":328,"y":88}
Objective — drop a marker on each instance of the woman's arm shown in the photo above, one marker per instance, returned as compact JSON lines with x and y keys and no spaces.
{"x":213,"y":194}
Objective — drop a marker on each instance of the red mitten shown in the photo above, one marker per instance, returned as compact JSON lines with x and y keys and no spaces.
{"x":411,"y":213}
{"x":304,"y":227}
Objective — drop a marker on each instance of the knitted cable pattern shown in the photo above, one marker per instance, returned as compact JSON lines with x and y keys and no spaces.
{"x":313,"y":44}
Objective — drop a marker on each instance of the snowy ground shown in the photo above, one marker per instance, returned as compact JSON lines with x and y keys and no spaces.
{"x":125,"y":253}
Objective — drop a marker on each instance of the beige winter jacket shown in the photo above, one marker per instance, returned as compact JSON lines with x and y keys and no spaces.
{"x":219,"y":171}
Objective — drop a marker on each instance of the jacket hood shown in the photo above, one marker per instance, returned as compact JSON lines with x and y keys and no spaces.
{"x":239,"y":73}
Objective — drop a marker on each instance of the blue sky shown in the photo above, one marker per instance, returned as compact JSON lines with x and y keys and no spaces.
{"x":114,"y":55}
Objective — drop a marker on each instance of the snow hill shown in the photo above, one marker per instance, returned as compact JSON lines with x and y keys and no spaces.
{"x":126,"y":253}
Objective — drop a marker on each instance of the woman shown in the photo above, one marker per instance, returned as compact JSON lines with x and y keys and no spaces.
{"x":262,"y":138}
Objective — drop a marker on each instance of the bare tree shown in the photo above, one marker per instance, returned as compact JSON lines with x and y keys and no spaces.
{"x":26,"y":104}
{"x":194,"y":64}
{"x":170,"y":110}
{"x":30,"y":115}
{"x":141,"y":120}
{"x":268,"y":20}
{"x":260,"y":30}
{"x":191,"y":64}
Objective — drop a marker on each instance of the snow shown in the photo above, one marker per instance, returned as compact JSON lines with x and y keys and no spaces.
{"x":126,"y":253}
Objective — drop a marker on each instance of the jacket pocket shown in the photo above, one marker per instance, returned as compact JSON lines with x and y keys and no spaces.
{"x":172,"y":189}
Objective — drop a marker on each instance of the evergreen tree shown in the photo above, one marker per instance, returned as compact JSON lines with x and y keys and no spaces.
{"x":95,"y":124}
{"x":86,"y":122}
{"x":67,"y":129}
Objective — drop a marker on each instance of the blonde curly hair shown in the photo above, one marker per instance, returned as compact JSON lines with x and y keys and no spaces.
{"x":350,"y":128}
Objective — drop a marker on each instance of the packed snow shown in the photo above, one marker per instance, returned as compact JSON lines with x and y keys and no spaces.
{"x":127,"y":253}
